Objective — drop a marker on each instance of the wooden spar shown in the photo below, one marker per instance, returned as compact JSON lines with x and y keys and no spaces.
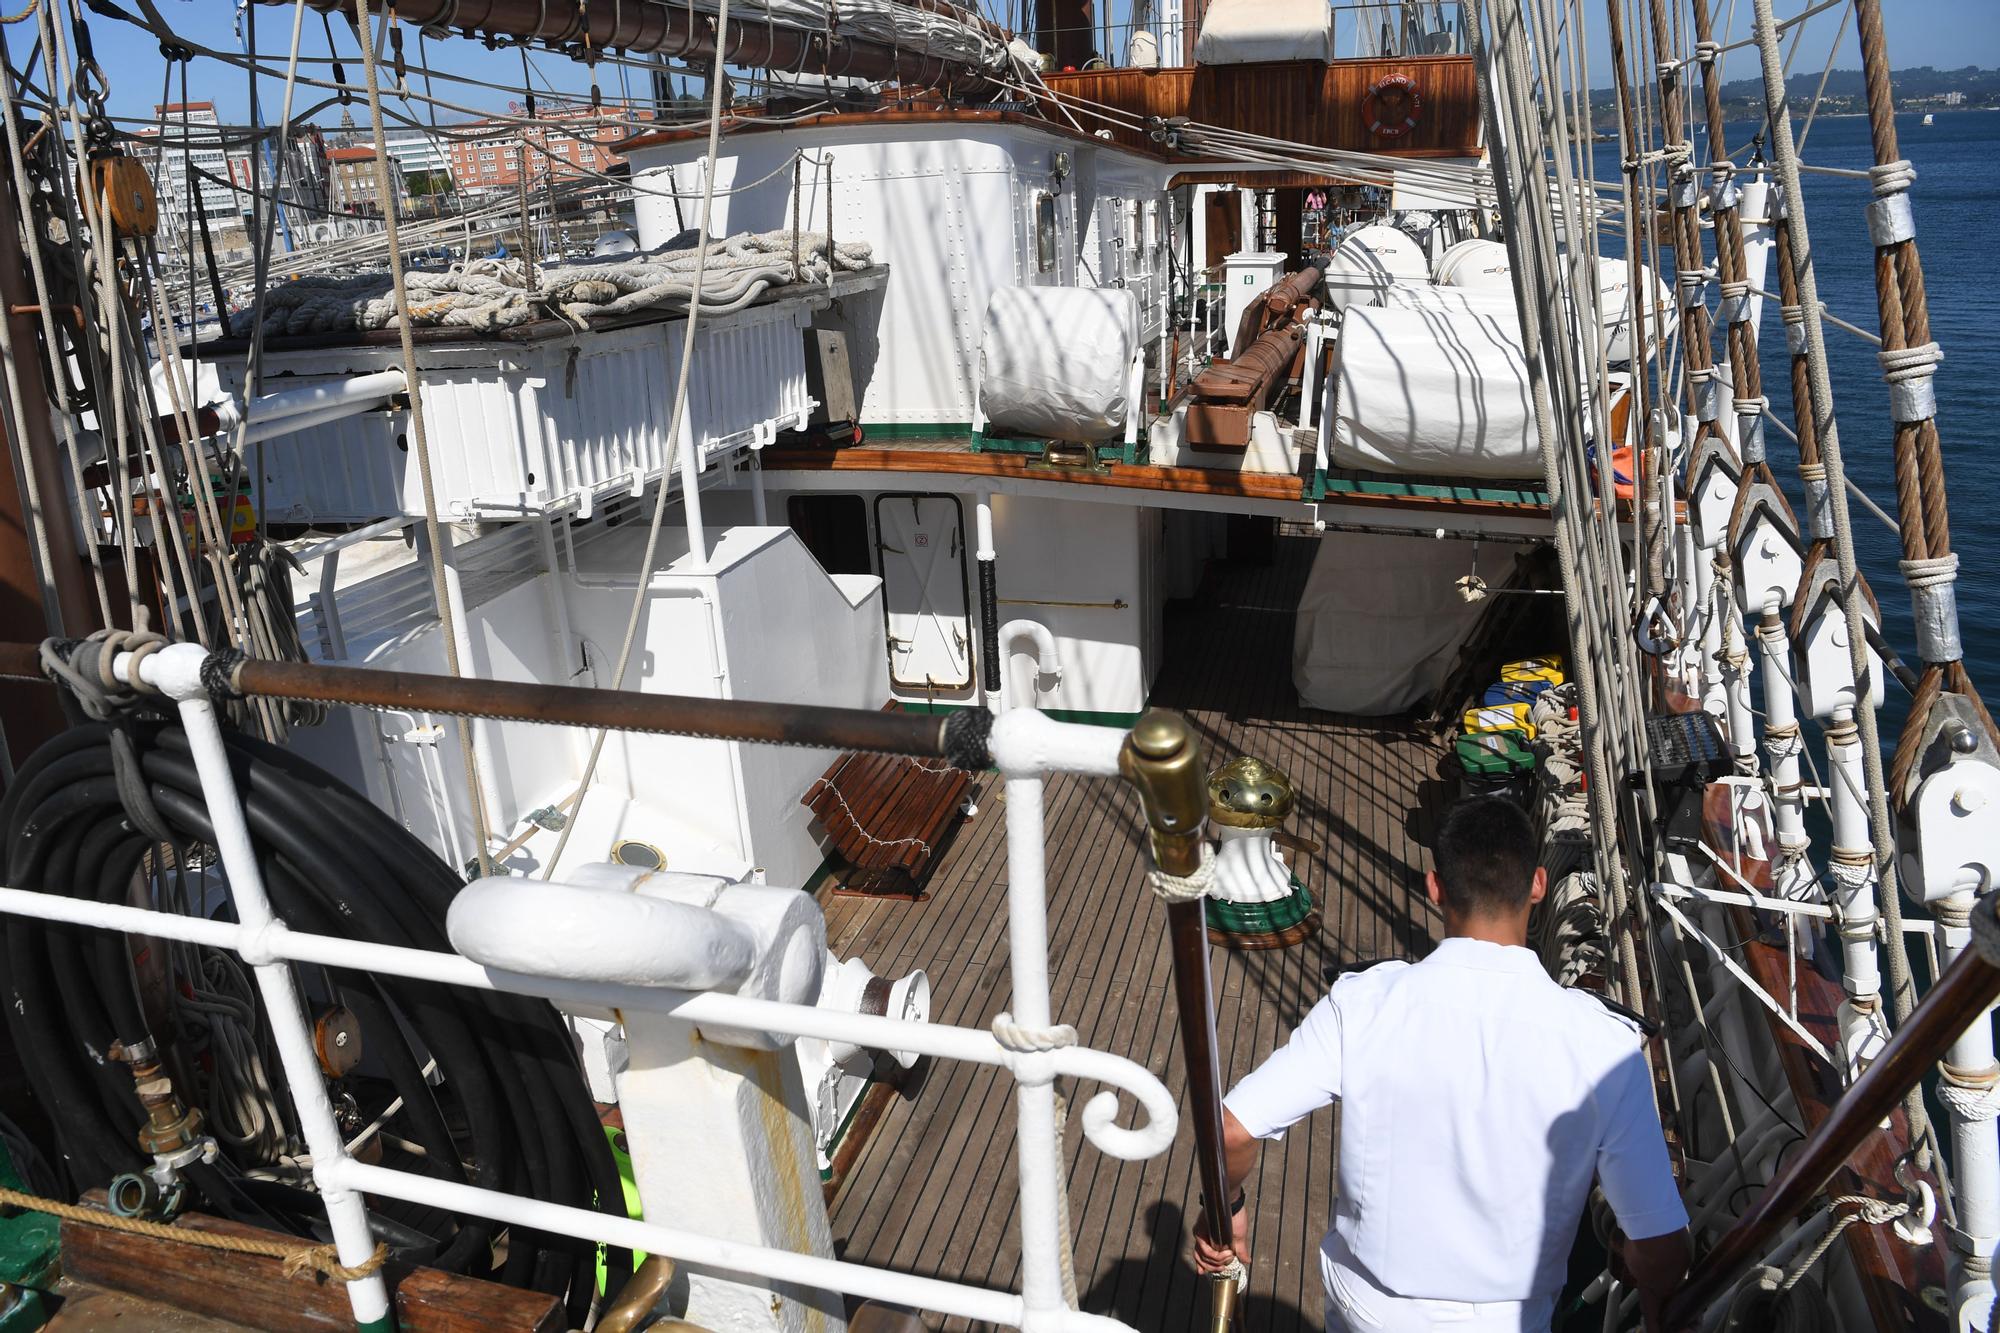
{"x":653,"y":26}
{"x":1162,"y":759}
{"x":1967,"y":990}
{"x":819,"y":726}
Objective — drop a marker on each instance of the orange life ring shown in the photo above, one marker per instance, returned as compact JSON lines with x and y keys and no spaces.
{"x":1392,"y":106}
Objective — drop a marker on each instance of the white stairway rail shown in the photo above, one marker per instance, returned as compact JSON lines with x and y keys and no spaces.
{"x":1025,"y":745}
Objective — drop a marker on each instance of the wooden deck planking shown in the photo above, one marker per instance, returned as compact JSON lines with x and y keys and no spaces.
{"x":934,"y":1192}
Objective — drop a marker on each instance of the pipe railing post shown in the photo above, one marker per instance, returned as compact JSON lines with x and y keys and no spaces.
{"x":176,"y":672}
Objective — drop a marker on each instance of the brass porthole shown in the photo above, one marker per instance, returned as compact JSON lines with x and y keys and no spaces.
{"x":642,"y":855}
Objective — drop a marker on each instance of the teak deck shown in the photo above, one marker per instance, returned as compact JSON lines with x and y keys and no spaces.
{"x":934,"y":1190}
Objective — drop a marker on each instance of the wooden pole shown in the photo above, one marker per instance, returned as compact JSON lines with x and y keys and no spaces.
{"x":1966,"y":991}
{"x":1162,"y":759}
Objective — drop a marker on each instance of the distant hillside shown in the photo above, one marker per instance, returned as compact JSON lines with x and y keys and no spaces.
{"x":1921,"y":88}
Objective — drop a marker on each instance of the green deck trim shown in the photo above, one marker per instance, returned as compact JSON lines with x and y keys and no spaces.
{"x":1323,"y":485}
{"x":1113,"y":451}
{"x":1266,"y":918}
{"x":982,"y":443}
{"x":914,"y":430}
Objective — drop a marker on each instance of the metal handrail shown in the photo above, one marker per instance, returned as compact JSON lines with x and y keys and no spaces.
{"x":1024,"y":745}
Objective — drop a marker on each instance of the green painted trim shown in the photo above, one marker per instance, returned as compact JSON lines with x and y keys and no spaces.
{"x":914,"y":430}
{"x":983,"y":443}
{"x":1269,"y":918}
{"x":1124,"y":721}
{"x":1086,"y":716}
{"x":30,"y":1242}
{"x":846,"y":1123}
{"x":386,"y":1324}
{"x":1323,"y":485}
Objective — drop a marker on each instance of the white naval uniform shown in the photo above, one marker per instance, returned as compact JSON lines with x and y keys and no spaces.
{"x":1478,"y":1099}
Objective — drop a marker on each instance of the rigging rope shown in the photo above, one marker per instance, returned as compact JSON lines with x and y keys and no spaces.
{"x":691,"y":476}
{"x":437,"y":551}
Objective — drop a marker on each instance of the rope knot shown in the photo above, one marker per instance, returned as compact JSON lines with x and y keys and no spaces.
{"x":85,"y":666}
{"x":1022,"y":1039}
{"x":1938,"y":571}
{"x":1970,"y":1094}
{"x":1892,"y":177}
{"x":323,"y":1262}
{"x":1172,"y":889}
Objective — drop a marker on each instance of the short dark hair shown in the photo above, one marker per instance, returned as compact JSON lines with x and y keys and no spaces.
{"x":1486,"y":856}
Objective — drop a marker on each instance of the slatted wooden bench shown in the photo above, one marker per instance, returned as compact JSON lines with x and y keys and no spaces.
{"x":887,"y":819}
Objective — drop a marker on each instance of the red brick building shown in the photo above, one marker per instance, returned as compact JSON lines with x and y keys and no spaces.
{"x":571,"y":150}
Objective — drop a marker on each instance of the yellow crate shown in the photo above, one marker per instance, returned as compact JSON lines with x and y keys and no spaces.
{"x":1498,"y":717}
{"x":1548,"y":668}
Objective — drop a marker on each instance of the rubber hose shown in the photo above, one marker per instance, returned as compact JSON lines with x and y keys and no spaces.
{"x":333,"y":864}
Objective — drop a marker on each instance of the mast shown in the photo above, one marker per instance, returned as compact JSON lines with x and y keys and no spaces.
{"x":43,"y":590}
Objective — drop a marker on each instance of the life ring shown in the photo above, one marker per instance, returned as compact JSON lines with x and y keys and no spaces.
{"x":1392,"y":106}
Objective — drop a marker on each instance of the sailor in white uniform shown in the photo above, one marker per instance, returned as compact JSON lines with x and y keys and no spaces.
{"x":1478,"y":1099}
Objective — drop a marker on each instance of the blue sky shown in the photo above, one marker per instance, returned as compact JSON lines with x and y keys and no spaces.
{"x":1944,"y":33}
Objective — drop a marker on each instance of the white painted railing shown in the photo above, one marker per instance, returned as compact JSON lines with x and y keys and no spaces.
{"x":1025,"y":745}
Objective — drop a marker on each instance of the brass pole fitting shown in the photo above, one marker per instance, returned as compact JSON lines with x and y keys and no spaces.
{"x":1162,"y":760}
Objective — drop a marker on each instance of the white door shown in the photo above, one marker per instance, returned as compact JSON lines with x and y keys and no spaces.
{"x":921,"y":539}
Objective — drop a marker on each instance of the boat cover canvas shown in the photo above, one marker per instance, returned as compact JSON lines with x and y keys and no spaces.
{"x":1475,"y":263}
{"x":1249,"y":32}
{"x":1433,"y":391}
{"x":1483,"y":266}
{"x":1367,"y":260}
{"x":1381,"y":619}
{"x":1055,"y":361}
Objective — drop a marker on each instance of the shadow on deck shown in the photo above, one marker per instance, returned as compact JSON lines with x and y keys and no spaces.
{"x":934,"y":1191}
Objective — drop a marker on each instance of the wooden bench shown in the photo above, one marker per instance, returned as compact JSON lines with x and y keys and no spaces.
{"x":887,"y":819}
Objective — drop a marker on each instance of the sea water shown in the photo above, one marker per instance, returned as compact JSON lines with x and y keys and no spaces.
{"x":1957,"y":205}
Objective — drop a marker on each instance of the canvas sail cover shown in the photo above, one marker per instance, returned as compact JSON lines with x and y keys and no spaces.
{"x":1437,"y":392}
{"x":1248,"y":32}
{"x":1381,"y":619}
{"x":1055,"y":361}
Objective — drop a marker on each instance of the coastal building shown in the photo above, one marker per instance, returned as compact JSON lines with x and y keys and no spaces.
{"x":356,"y":185}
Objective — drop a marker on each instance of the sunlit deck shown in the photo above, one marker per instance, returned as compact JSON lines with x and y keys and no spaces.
{"x":934,"y":1191}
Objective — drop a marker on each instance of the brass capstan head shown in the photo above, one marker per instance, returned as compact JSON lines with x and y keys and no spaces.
{"x":1249,"y":793}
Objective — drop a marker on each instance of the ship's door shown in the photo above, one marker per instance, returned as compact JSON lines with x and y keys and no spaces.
{"x":921,"y":542}
{"x":1224,"y":227}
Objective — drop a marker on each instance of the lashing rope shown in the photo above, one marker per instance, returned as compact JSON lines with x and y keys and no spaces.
{"x":296,"y":1261}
